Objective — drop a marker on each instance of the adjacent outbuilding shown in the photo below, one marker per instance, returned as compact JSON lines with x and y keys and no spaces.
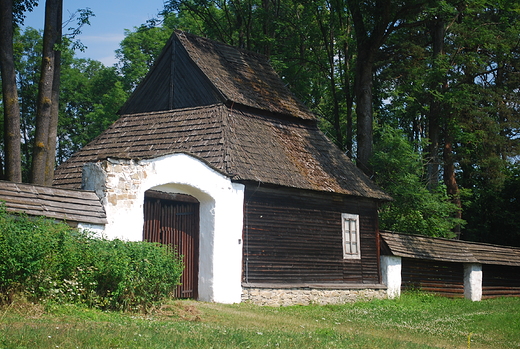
{"x":452,"y":268}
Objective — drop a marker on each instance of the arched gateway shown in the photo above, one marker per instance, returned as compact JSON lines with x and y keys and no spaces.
{"x":128,"y":189}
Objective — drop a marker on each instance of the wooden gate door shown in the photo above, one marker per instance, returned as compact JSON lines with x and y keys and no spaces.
{"x":173,"y":219}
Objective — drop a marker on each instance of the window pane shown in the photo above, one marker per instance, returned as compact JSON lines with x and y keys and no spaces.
{"x":350,"y":236}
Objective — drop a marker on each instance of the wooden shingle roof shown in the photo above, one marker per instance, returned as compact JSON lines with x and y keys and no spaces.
{"x":229,"y":108}
{"x":61,"y":204}
{"x":192,"y":71}
{"x":424,"y":247}
{"x":245,"y":145}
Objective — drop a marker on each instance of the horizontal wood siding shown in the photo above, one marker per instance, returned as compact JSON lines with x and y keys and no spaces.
{"x":500,"y":281}
{"x":293,"y":238}
{"x":445,"y":278}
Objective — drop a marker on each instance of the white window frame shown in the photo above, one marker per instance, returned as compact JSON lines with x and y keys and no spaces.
{"x":350,"y":236}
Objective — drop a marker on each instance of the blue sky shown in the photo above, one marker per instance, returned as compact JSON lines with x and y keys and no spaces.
{"x":107,"y":28}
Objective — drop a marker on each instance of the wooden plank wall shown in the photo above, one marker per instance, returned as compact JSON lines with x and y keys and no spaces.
{"x":291,"y":237}
{"x":500,"y":281}
{"x":444,"y":278}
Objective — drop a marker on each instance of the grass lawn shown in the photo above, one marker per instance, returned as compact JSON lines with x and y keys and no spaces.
{"x":414,"y":321}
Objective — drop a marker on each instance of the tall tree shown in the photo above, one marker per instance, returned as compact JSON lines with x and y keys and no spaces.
{"x":50,"y":160}
{"x":12,"y":150}
{"x":28,"y":62}
{"x":441,"y":118}
{"x":374,"y":22}
{"x":47,"y":94}
{"x":459,"y":76}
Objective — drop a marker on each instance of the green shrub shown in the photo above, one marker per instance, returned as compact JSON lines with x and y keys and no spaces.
{"x":50,"y":261}
{"x":132,"y":275}
{"x":26,"y":248}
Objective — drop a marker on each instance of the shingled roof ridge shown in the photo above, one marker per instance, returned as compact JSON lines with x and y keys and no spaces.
{"x":170,"y":111}
{"x":222,"y":44}
{"x":243,"y":77}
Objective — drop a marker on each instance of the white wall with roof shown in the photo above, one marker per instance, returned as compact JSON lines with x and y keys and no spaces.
{"x":122,"y":185}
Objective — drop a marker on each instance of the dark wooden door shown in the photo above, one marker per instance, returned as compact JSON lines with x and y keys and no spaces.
{"x":174,"y":220}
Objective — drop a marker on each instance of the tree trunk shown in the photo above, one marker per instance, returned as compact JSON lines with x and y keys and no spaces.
{"x":12,"y":147}
{"x":45,"y":100}
{"x":363,"y":91}
{"x":349,"y":98}
{"x":449,"y":178}
{"x":437,"y":32}
{"x":55,"y":108}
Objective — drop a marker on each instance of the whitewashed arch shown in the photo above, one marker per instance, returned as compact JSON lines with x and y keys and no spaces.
{"x":122,"y":183}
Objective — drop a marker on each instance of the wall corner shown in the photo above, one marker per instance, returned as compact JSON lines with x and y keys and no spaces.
{"x":473,"y":281}
{"x":391,"y":275}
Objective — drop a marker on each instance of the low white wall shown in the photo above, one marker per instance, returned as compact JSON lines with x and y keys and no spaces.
{"x":391,"y":275}
{"x":121,"y":185}
{"x":473,"y":281}
{"x":97,"y":229}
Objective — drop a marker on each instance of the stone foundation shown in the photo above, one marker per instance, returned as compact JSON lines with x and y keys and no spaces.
{"x":305,"y":295}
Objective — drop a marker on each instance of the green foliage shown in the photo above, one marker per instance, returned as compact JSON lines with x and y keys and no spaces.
{"x":53,"y":262}
{"x":413,"y":321}
{"x":469,"y":89}
{"x":415,"y":209}
{"x":138,"y":51}
{"x":492,"y":211}
{"x":131,"y":275}
{"x":25,"y":249}
{"x":91,"y":94}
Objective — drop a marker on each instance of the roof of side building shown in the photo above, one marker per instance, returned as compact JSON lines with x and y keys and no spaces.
{"x":61,"y":204}
{"x":446,"y":250}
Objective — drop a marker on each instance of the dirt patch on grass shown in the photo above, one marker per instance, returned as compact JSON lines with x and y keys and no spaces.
{"x":181,"y":310}
{"x":24,"y":309}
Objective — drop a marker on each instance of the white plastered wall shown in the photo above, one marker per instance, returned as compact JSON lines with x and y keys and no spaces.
{"x":121,"y":185}
{"x":473,"y":281}
{"x":96,"y":229}
{"x":391,"y":275}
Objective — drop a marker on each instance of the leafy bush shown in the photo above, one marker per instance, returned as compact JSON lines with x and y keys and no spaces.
{"x":130,"y":275}
{"x":415,"y":209}
{"x":53,"y":262}
{"x":26,"y":247}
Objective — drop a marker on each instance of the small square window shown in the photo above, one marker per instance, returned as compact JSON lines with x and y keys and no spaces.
{"x":350,"y":227}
